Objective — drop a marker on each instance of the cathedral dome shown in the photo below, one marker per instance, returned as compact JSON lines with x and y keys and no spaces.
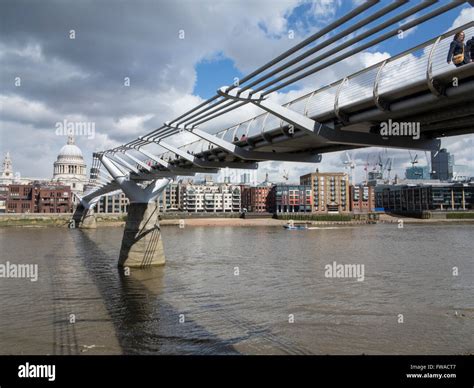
{"x":70,"y":150}
{"x":69,"y":168}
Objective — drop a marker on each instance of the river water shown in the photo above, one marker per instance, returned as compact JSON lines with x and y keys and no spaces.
{"x":247,"y":290}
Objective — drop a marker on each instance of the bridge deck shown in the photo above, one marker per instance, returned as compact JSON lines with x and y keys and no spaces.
{"x":404,"y":87}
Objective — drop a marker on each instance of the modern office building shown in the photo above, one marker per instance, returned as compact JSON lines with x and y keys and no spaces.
{"x":417,"y":172}
{"x":436,"y":196}
{"x":330,"y":191}
{"x":375,"y":175}
{"x":442,"y":164}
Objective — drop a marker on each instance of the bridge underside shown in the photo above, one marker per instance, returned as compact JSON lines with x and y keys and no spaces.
{"x":448,"y":114}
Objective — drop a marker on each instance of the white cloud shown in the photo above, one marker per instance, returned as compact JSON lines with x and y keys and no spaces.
{"x":325,"y":8}
{"x":466,"y":15}
{"x":21,"y":109}
{"x":82,"y":80}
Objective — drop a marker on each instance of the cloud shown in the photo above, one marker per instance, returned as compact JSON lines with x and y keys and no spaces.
{"x":325,"y":8}
{"x":410,"y":31}
{"x":465,"y":16}
{"x":83,"y":78}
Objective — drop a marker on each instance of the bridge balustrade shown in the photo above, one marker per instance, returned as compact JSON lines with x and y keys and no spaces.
{"x":414,"y":69}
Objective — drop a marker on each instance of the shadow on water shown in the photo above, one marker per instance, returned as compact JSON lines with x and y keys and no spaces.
{"x":64,"y":334}
{"x":144,"y":322}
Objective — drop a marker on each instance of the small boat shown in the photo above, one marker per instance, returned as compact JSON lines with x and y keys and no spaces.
{"x":295,"y":227}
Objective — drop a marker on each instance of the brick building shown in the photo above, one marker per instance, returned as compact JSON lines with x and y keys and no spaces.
{"x":258,"y":199}
{"x":330,"y":191}
{"x":38,"y":198}
{"x":362,"y":198}
{"x":291,"y":198}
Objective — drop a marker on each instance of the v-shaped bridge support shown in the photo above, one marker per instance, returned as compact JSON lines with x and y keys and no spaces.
{"x":135,"y":192}
{"x":142,"y":245}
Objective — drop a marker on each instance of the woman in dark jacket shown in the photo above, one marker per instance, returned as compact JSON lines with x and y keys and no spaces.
{"x":470,"y":49}
{"x":457,"y":49}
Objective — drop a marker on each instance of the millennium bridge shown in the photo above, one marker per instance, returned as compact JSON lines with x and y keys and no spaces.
{"x":416,"y":86}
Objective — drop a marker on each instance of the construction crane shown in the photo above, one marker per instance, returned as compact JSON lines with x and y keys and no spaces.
{"x":414,"y":160}
{"x":428,"y":162}
{"x":380,"y":163}
{"x":366,"y":169}
{"x":349,"y":163}
{"x":388,"y":168}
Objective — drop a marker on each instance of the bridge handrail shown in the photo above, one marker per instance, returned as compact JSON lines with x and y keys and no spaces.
{"x":307,"y":98}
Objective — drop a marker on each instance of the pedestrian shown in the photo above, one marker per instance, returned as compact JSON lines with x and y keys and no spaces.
{"x":457,"y":50}
{"x":470,"y":50}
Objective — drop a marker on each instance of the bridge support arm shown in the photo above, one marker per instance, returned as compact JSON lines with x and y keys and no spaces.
{"x":244,"y":154}
{"x":210,"y":165}
{"x":139,"y":162}
{"x":176,"y":170}
{"x":288,"y":115}
{"x":131,"y":189}
{"x":124,"y":163}
{"x":326,"y":133}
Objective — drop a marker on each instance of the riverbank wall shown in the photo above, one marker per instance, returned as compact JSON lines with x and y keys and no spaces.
{"x":215,"y":219}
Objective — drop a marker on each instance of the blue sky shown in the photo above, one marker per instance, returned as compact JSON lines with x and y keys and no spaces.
{"x":221,"y":70}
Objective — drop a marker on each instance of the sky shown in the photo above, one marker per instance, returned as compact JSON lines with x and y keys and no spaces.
{"x":134,"y":65}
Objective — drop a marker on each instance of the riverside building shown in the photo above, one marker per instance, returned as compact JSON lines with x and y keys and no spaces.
{"x":213,"y":198}
{"x":38,"y":198}
{"x":330,"y":191}
{"x":434,"y":196}
{"x":291,"y":198}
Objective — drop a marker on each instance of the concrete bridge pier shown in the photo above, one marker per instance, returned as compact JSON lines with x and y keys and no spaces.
{"x":142,"y":244}
{"x":84,"y":215}
{"x":88,"y":220}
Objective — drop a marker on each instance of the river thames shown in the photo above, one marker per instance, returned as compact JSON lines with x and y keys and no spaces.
{"x":242,"y":290}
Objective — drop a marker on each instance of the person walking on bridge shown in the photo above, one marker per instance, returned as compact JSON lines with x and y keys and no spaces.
{"x":470,"y":50}
{"x":457,"y":50}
